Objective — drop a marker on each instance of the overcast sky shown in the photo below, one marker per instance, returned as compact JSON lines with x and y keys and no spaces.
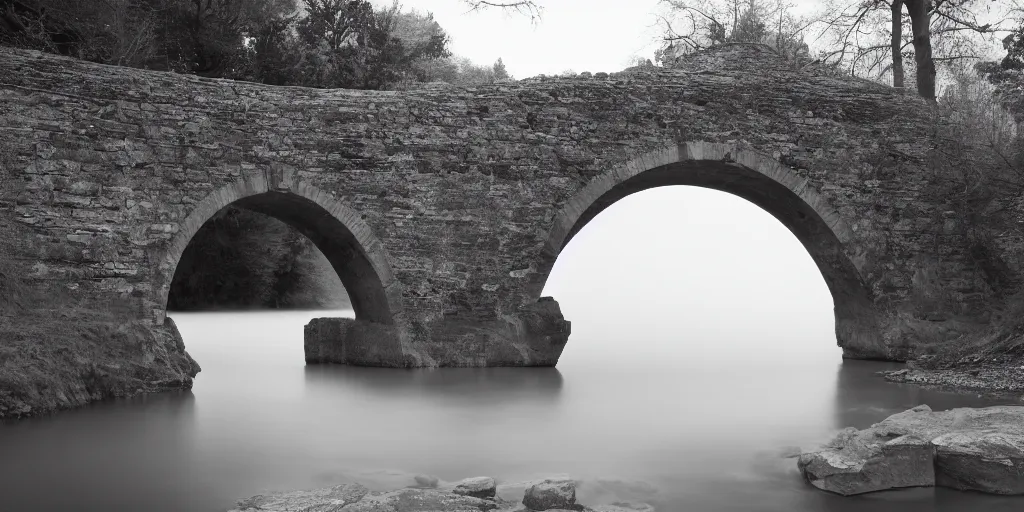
{"x":581,"y":35}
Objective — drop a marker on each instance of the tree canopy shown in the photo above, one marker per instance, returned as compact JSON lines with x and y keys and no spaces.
{"x":313,"y":43}
{"x":240,"y":258}
{"x":862,"y":37}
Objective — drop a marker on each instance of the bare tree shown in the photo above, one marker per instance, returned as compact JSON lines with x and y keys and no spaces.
{"x":869,"y":37}
{"x":691,"y":25}
{"x":529,"y":8}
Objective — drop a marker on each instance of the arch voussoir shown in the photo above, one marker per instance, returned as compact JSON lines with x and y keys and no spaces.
{"x":251,"y":186}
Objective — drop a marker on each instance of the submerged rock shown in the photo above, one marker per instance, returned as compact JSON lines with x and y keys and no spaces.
{"x":339,"y":496}
{"x":967,"y":449}
{"x":554,"y":495}
{"x":356,"y":498}
{"x":428,"y":481}
{"x":624,"y":507}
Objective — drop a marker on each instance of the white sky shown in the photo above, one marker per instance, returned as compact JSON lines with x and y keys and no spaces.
{"x":687,"y":271}
{"x":581,"y":35}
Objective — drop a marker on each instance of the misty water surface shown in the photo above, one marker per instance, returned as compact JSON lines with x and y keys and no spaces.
{"x":702,"y":352}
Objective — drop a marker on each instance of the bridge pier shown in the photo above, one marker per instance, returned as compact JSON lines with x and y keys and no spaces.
{"x":533,"y":336}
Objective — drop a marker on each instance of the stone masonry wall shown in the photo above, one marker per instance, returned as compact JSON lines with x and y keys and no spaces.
{"x":101,"y":166}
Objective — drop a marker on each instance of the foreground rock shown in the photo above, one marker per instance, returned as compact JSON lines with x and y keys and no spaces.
{"x":469,"y":495}
{"x":966,"y":449}
{"x":477,"y":487}
{"x":552,"y":495}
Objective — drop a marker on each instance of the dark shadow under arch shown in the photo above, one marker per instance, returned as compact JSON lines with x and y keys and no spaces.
{"x":337,"y":231}
{"x":766,"y":183}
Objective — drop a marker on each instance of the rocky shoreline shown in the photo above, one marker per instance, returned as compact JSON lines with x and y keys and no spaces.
{"x":481,"y":494}
{"x":966,"y":449}
{"x":995,"y":380}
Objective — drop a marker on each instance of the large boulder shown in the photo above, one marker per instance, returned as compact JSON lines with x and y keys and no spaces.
{"x":967,"y":449}
{"x":552,"y":495}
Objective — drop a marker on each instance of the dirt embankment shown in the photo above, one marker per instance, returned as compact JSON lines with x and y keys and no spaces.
{"x":988,"y":361}
{"x":56,"y":354}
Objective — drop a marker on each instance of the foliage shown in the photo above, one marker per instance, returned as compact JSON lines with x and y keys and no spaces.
{"x":692,"y":25}
{"x":313,"y":43}
{"x":981,"y":156}
{"x":869,"y":38}
{"x":1007,"y":75}
{"x":500,"y":73}
{"x":460,"y":71}
{"x":349,"y":44}
{"x":873,"y":37}
{"x":120,"y":32}
{"x":1014,"y":46}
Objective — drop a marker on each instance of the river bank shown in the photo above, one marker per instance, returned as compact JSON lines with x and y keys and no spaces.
{"x":990,"y":362}
{"x":997,"y":380}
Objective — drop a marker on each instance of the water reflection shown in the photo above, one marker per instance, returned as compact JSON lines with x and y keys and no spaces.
{"x":117,"y":453}
{"x":864,"y":398}
{"x":696,"y":425}
{"x":482,"y":387}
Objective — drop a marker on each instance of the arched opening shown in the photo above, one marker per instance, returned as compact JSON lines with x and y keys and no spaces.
{"x":688,"y":276}
{"x":337,"y":231}
{"x":240,"y":260}
{"x":763,"y":182}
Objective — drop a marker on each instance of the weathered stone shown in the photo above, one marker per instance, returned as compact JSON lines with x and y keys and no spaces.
{"x":990,"y":462}
{"x":552,"y":495}
{"x":349,"y":341}
{"x":860,"y":464}
{"x":443,"y":209}
{"x":968,"y":449}
{"x":477,"y":487}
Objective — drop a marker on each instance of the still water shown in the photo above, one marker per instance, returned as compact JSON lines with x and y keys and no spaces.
{"x":695,"y":426}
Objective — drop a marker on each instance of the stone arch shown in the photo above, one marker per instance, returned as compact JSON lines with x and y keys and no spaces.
{"x":761,"y":180}
{"x":356,"y":254}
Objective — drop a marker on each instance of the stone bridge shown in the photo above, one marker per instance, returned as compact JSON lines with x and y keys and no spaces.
{"x":443,"y":209}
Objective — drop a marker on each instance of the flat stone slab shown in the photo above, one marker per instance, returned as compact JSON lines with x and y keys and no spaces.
{"x":967,"y":449}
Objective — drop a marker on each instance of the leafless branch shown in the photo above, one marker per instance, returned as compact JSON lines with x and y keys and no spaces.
{"x":529,"y":8}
